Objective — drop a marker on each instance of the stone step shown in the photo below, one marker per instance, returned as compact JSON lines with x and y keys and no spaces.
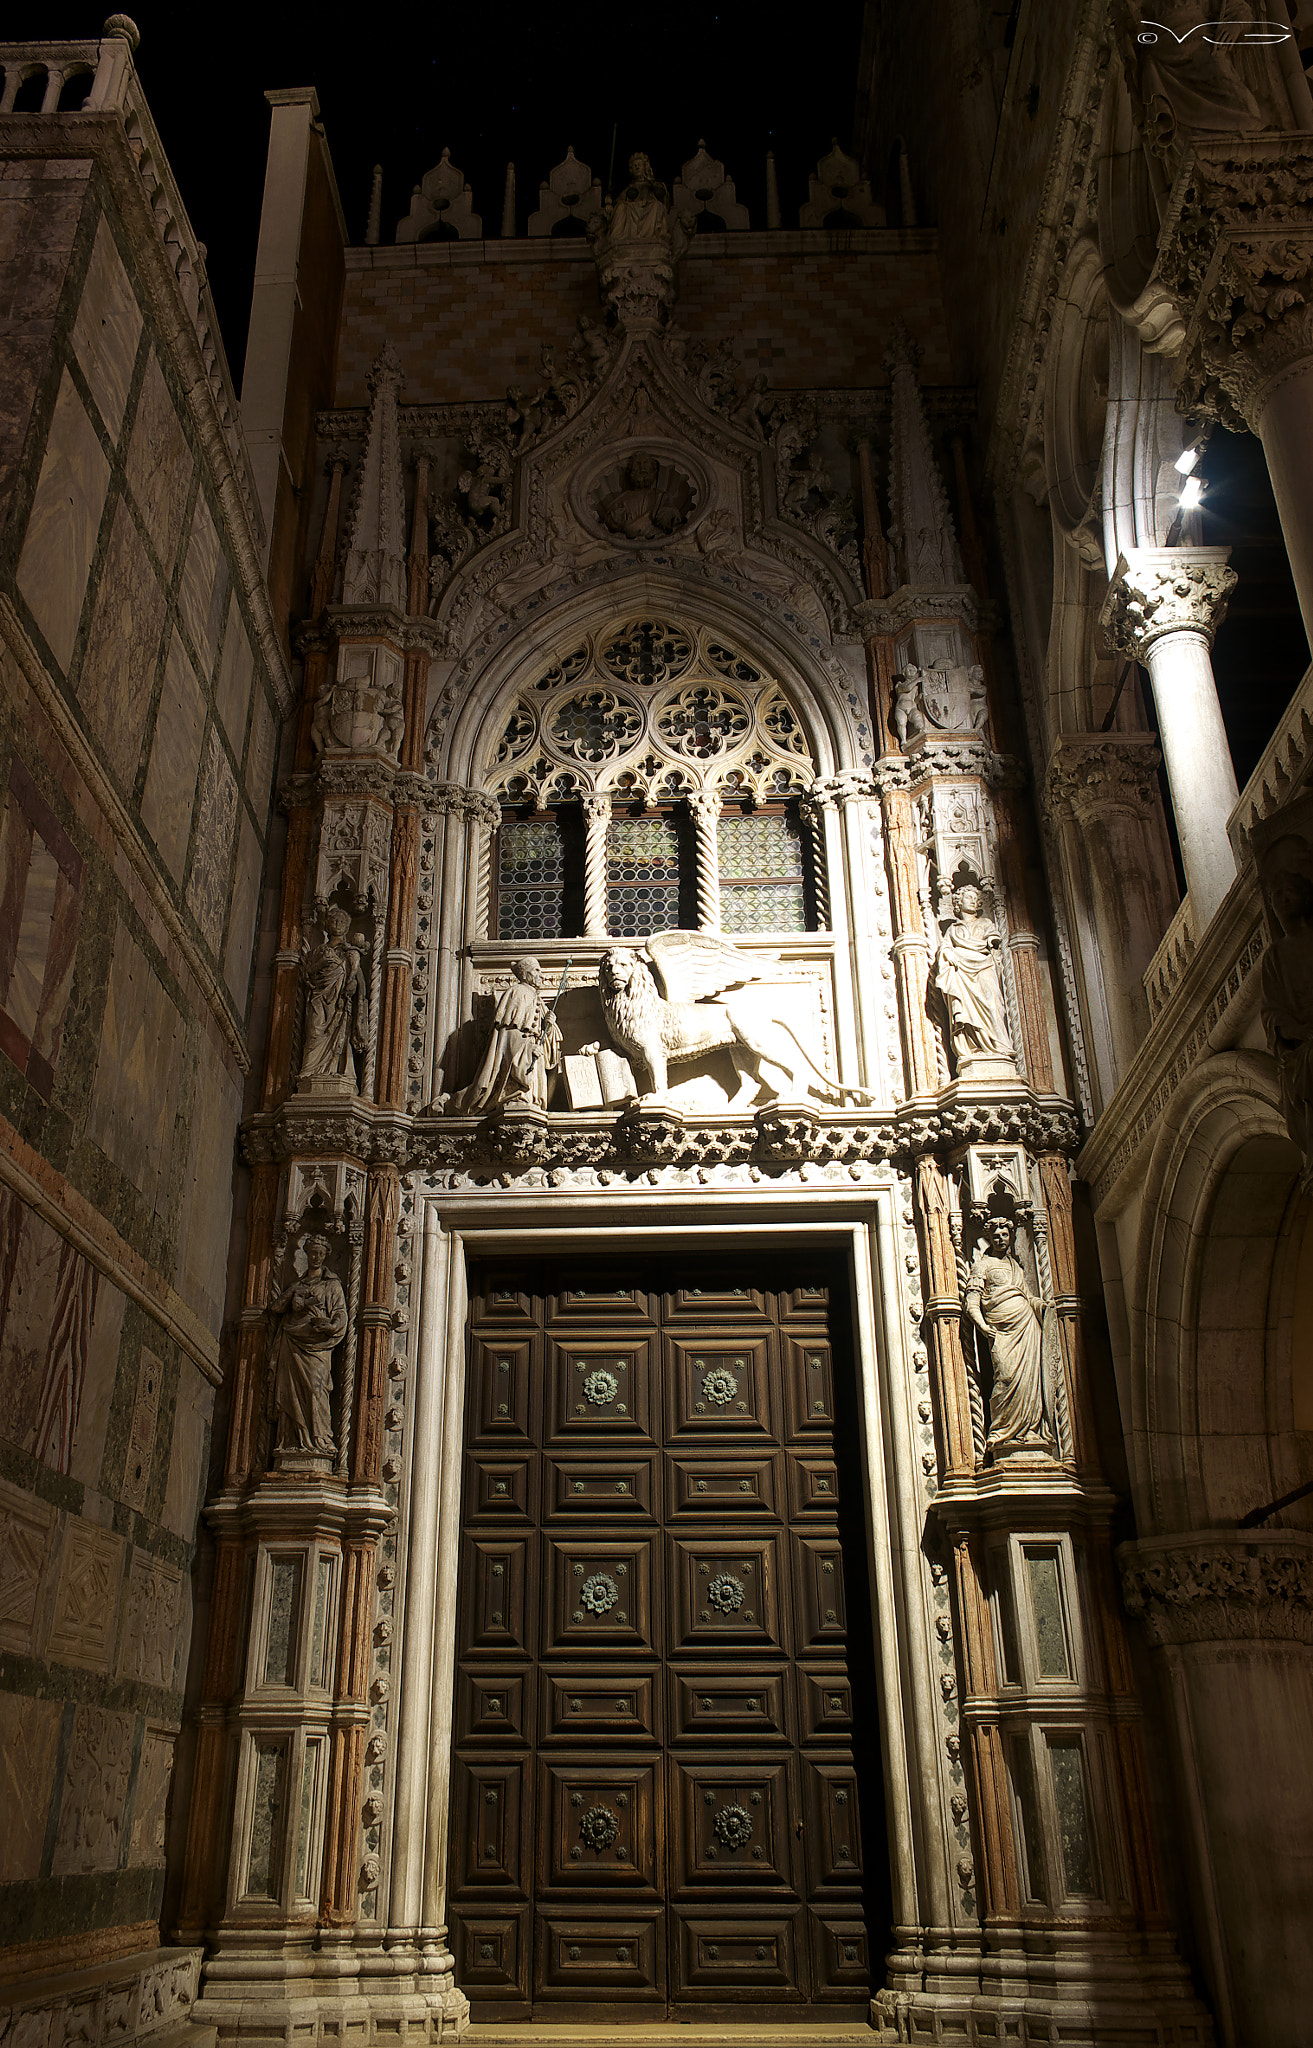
{"x":672,"y":2034}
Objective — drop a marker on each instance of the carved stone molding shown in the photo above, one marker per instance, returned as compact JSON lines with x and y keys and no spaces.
{"x":903,"y":607}
{"x":1156,"y":591}
{"x":410,"y":633}
{"x":1236,"y":260}
{"x":1091,"y":775}
{"x":956,"y":758}
{"x":1221,"y":1586}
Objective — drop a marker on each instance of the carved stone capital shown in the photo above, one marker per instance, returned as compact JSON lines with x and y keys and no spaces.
{"x":1095,"y":775}
{"x":1221,"y":1586}
{"x":1236,"y":261}
{"x":1156,"y":591}
{"x":453,"y":800}
{"x":903,"y":607}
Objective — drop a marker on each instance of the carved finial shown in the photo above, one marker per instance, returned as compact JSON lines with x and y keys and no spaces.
{"x":922,"y":525}
{"x":373,"y":224}
{"x":508,"y":205}
{"x":124,"y":28}
{"x":376,"y":537}
{"x":772,"y":192}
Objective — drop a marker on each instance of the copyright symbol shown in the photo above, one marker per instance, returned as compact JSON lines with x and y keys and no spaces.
{"x":1146,"y":36}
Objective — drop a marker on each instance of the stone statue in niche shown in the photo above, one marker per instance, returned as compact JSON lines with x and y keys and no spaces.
{"x":523,"y":1047}
{"x":336,"y":1000}
{"x":639,"y":214}
{"x":642,"y":509}
{"x":1209,"y":69}
{"x":1011,"y":1320}
{"x":968,"y":975}
{"x":1285,"y":872}
{"x":949,"y":700}
{"x":312,"y":1321}
{"x":662,"y":1030}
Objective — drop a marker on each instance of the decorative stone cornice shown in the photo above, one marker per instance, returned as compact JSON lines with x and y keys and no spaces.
{"x":956,"y":758}
{"x":1221,"y":1586}
{"x":340,"y":777}
{"x":338,"y":622}
{"x":1236,"y":262}
{"x":1091,"y":775}
{"x":1156,"y":591}
{"x":453,"y":800}
{"x":904,"y":606}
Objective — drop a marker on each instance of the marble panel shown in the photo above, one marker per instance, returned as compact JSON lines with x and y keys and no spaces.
{"x":150,"y":1804}
{"x":87,"y":1598}
{"x":141,"y":1435}
{"x":95,"y":1791}
{"x":29,"y":1747}
{"x":241,"y":925}
{"x":26,"y":1528}
{"x":211,"y":861}
{"x":155,"y":1622}
{"x":138,"y":1071}
{"x":159,"y":464}
{"x":175,"y":760}
{"x":118,"y":668}
{"x":107,"y":330}
{"x":63,"y":524}
{"x":40,"y":879}
{"x":187,"y":1456}
{"x":57,"y":1341}
{"x":98,"y":1382}
{"x":201,"y":1272}
{"x":36,"y":920}
{"x":203,"y":588}
{"x":233,"y":690}
{"x":260,"y":754}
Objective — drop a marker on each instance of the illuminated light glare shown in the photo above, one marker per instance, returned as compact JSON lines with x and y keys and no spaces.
{"x":1186,"y":460}
{"x":1192,"y":493}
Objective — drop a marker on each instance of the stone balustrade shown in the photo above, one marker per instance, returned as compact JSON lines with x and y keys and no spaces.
{"x":1163,"y":975}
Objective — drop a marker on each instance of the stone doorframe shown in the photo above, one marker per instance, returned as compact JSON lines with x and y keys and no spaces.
{"x":452,"y":1230}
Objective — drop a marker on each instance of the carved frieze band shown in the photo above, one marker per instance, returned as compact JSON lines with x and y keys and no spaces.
{"x":1236,"y":1588}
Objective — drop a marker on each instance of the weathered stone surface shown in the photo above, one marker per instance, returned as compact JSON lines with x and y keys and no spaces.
{"x":159,"y":464}
{"x":26,"y":1529}
{"x":232,"y":692}
{"x":107,"y":330}
{"x":191,"y":1425}
{"x":175,"y":760}
{"x":138,"y":1071}
{"x":203,"y":1224}
{"x":199,"y":588}
{"x":216,"y":812}
{"x":241,"y":924}
{"x":154,"y":1631}
{"x":118,"y":669}
{"x":95,"y":1791}
{"x":64,"y":521}
{"x":86,"y":1602}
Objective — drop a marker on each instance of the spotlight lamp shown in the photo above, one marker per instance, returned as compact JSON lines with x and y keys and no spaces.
{"x":1192,"y":493}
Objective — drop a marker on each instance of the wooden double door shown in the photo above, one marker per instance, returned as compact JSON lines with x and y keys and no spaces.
{"x":656,"y":1803}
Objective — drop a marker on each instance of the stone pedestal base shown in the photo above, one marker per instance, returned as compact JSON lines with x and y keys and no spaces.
{"x":330,"y":1992}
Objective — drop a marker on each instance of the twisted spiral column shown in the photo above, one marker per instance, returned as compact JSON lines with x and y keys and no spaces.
{"x":597,"y":816}
{"x":705,"y":807}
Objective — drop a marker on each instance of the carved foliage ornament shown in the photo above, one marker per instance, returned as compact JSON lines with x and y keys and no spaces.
{"x":1206,"y":1593}
{"x":651,"y":711}
{"x":1156,"y":591}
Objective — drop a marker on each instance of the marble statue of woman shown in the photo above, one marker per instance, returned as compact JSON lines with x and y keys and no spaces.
{"x":312,"y":1316}
{"x":336,"y":1000}
{"x":523,"y":1047}
{"x":1011,"y":1319}
{"x":968,"y":975}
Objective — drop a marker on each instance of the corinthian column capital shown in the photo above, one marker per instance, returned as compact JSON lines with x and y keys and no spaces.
{"x":1095,"y":774}
{"x":1236,"y":264}
{"x":1157,"y":591}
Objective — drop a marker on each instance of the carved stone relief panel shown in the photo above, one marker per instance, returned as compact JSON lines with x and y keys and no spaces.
{"x":95,"y":1792}
{"x":154,"y":1623}
{"x":360,"y":712}
{"x":29,"y":1749}
{"x":25,"y":1531}
{"x":141,"y":1436}
{"x":640,"y":495}
{"x":150,"y":1805}
{"x":86,"y":1603}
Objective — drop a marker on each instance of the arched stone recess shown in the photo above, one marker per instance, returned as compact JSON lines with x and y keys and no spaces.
{"x":723,"y":499}
{"x":1219,"y":1365}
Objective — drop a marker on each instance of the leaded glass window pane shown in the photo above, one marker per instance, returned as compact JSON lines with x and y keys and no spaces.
{"x":762,"y":887}
{"x":539,"y":874}
{"x":643,"y":862}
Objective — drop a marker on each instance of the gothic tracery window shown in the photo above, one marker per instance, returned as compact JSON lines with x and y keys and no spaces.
{"x":649,"y":780}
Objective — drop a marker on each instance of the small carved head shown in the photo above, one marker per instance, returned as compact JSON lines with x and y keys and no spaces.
{"x":999,"y":1234}
{"x":316,"y":1253}
{"x":1286,"y":873}
{"x":528,"y":971}
{"x":337,"y":921}
{"x":617,"y":969}
{"x":642,"y":471}
{"x":969,"y":900}
{"x":640,"y":167}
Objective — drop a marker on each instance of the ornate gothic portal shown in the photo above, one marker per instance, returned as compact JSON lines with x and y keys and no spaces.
{"x":655,"y":897}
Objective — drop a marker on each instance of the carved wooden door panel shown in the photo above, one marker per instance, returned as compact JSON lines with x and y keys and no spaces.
{"x":655,"y":1804}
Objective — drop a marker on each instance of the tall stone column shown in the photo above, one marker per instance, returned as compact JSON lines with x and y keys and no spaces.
{"x":1101,"y":794}
{"x":1236,"y":263}
{"x":1164,"y":607}
{"x":1229,"y":1616}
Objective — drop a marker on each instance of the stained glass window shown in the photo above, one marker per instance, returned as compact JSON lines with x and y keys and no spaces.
{"x":650,"y":882}
{"x":539,"y":875}
{"x":762,"y":872}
